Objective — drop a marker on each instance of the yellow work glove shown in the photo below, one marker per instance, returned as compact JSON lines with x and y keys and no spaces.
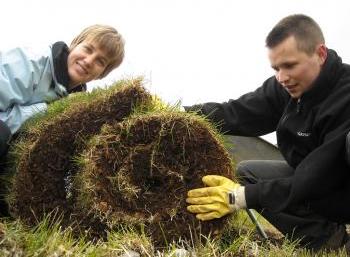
{"x":214,"y":201}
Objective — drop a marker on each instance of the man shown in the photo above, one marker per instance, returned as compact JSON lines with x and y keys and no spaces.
{"x":307,"y":103}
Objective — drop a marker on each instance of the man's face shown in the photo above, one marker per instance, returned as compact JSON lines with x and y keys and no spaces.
{"x":86,"y":62}
{"x":296,"y":70}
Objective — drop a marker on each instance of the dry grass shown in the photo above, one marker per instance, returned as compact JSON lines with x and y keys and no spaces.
{"x":49,"y":239}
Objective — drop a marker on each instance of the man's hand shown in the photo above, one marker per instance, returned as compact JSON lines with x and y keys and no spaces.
{"x":216,"y":200}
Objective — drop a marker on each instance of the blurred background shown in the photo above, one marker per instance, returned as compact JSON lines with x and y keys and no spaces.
{"x":191,"y":51}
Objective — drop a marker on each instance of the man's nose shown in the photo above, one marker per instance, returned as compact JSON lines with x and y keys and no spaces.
{"x":282,"y":77}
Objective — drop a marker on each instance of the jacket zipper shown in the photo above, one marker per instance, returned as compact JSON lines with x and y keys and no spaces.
{"x":286,"y":116}
{"x":298,"y":105}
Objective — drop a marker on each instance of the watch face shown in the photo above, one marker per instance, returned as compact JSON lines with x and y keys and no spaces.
{"x":231,"y":198}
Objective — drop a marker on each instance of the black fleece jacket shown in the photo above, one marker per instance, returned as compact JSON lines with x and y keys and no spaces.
{"x":311,"y":135}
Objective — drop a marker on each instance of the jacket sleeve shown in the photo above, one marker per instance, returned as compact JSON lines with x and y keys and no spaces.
{"x":15,"y":116}
{"x":253,"y":114}
{"x":314,"y":178}
{"x":321,"y":174}
{"x":20,"y":73}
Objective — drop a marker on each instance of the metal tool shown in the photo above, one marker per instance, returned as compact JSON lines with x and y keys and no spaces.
{"x":257,"y":224}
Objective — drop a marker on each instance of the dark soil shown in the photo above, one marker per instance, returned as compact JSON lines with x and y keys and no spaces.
{"x":40,"y":180}
{"x":139,"y":172}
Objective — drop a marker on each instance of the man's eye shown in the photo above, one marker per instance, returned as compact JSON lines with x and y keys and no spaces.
{"x":289,"y":65}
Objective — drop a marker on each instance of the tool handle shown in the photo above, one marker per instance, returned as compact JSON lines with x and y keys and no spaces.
{"x":256,"y":223}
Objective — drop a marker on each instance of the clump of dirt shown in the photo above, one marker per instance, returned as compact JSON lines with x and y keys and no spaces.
{"x":101,"y":169}
{"x":46,"y":159}
{"x":139,"y":171}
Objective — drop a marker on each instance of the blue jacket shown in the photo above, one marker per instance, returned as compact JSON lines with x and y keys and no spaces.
{"x":29,"y":80}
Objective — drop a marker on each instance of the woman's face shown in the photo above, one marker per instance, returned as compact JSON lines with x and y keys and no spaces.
{"x":86,"y":62}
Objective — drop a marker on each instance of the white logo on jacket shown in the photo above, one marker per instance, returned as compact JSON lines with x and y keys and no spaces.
{"x":303,"y":134}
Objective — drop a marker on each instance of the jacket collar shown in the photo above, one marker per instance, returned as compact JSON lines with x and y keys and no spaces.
{"x":60,"y":53}
{"x":326,"y":80}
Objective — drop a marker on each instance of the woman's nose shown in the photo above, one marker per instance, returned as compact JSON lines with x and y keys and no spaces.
{"x":89,"y":60}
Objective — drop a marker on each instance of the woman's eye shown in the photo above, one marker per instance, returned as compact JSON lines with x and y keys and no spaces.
{"x":88,"y":49}
{"x":101,"y":62}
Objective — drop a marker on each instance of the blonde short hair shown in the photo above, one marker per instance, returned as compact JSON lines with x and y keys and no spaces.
{"x":108,"y":39}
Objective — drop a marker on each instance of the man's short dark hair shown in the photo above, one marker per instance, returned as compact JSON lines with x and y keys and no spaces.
{"x":305,"y":30}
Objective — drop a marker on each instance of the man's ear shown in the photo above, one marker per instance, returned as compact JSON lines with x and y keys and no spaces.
{"x":322,"y":53}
